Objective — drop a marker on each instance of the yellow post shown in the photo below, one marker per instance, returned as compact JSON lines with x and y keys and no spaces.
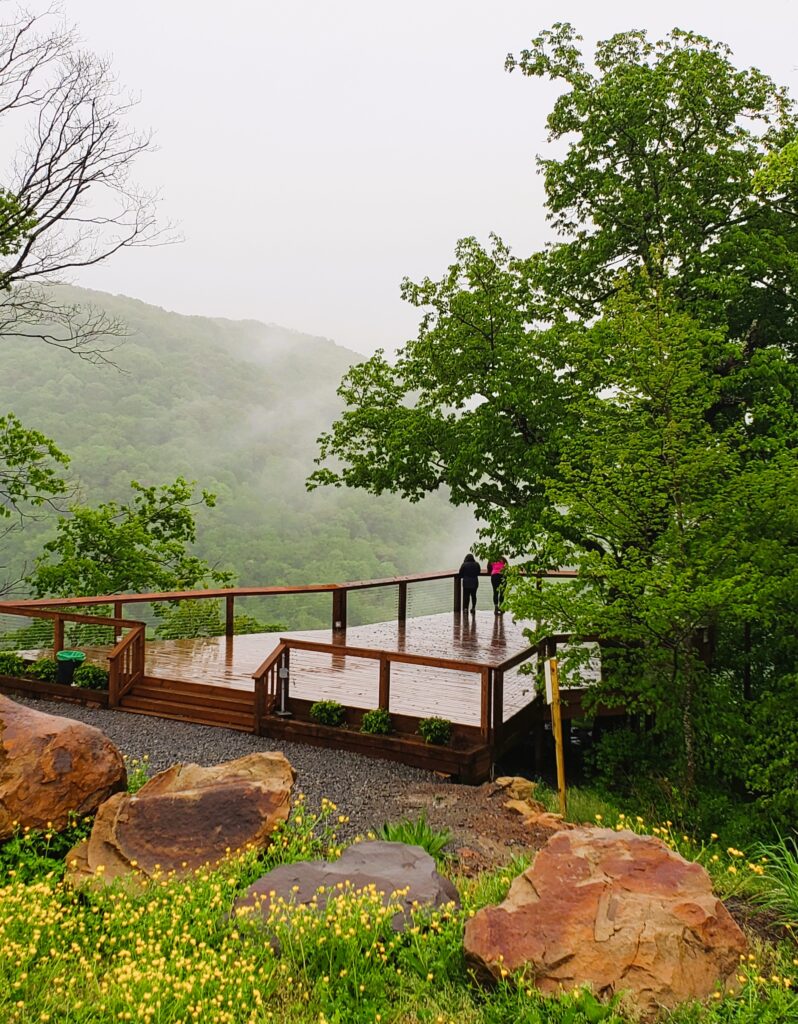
{"x":556,"y":728}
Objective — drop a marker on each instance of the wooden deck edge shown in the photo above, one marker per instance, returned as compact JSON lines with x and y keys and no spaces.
{"x":469,"y":764}
{"x":39,"y":688}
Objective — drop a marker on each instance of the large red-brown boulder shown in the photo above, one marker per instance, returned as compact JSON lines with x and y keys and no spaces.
{"x":615,"y":911}
{"x":186,"y":817}
{"x":51,"y":766}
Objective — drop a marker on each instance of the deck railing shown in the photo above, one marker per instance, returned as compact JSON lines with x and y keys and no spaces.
{"x":338,"y":593}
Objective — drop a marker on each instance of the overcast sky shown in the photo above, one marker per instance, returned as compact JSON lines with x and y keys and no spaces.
{"x":313,"y":153}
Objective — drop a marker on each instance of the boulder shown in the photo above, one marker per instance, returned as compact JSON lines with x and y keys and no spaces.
{"x":615,"y":911}
{"x":516,"y":787}
{"x":184,"y":818}
{"x":51,"y":766}
{"x":389,"y":867}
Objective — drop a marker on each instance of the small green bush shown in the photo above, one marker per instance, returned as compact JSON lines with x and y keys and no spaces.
{"x":327,"y":712}
{"x":377,"y":722}
{"x":91,"y":677}
{"x":417,"y":833}
{"x":45,"y":669}
{"x":11,"y":664}
{"x":436,"y":730}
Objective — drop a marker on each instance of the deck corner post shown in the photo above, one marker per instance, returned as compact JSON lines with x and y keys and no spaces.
{"x":458,"y":595}
{"x":498,"y":706}
{"x":485,"y":704}
{"x":339,"y":610}
{"x":229,"y":624}
{"x":401,"y":613}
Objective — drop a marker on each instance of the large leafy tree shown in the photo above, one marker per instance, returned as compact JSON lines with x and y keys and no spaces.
{"x":624,"y":401}
{"x":118,"y":548}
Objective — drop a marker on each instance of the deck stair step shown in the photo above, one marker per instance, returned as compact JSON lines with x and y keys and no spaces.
{"x":186,"y":702}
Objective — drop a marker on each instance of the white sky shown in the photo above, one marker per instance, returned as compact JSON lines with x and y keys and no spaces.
{"x":314,"y":153}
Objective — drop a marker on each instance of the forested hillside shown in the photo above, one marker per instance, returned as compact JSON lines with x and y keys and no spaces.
{"x":236,"y":406}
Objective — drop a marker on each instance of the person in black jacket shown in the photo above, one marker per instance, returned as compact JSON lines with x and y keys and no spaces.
{"x":469,"y":573}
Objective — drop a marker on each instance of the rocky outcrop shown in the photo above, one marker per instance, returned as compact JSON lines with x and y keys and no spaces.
{"x":51,"y":766}
{"x":184,"y":818}
{"x":389,"y":867}
{"x":613,"y":910}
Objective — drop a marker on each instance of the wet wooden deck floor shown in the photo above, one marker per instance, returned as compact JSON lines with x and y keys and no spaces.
{"x":419,"y":691}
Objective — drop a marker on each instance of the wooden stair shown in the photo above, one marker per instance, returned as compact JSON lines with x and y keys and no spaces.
{"x":189,"y":702}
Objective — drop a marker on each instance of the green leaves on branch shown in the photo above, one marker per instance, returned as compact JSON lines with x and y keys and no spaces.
{"x":136,"y":547}
{"x":30,"y":464}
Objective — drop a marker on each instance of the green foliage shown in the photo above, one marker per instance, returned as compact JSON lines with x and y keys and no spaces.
{"x":138,"y":772}
{"x":30,"y":464}
{"x":377,"y":721}
{"x":11,"y":664}
{"x":90,"y":677}
{"x":45,"y":669}
{"x":328,"y":712}
{"x":435,"y":730}
{"x":203,"y":617}
{"x":31,"y":855}
{"x":140,"y":546}
{"x":779,"y":882}
{"x":525,"y":1005}
{"x":417,"y":833}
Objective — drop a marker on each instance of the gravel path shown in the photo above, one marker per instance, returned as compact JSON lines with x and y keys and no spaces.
{"x":366,"y":789}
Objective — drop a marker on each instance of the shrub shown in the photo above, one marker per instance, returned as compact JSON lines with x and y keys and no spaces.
{"x":417,"y":833}
{"x":377,"y":722}
{"x":45,"y":669}
{"x":779,"y":889}
{"x":327,"y":712}
{"x":91,"y":677}
{"x":11,"y":664}
{"x":435,"y":730}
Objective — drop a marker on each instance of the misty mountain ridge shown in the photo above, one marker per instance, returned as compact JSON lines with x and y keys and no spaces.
{"x":236,"y":406}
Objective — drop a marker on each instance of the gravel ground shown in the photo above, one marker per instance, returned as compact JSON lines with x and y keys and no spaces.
{"x":366,"y":789}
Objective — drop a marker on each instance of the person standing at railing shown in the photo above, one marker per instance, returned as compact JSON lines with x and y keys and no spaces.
{"x":498,"y":580}
{"x":470,"y":572}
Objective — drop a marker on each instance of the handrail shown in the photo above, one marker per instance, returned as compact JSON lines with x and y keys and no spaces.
{"x":125,"y":665}
{"x":283,"y":590}
{"x":37,"y":612}
{"x":266,"y":684}
{"x":375,"y":654}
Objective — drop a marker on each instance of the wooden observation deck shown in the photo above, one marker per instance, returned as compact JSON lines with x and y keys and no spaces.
{"x":476,"y":670}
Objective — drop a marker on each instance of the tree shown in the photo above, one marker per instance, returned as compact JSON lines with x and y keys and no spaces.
{"x":128,"y":548}
{"x":625,"y":401}
{"x":68,"y":201}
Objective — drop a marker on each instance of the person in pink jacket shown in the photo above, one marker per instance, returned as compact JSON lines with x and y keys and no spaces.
{"x":498,"y":580}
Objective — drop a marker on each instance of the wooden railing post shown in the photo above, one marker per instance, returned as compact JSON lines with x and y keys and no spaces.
{"x":229,"y":623}
{"x":458,"y":595}
{"x":498,"y":705}
{"x":385,"y":683}
{"x":401,"y":614}
{"x":58,"y":635}
{"x":260,"y":705}
{"x":485,"y":708}
{"x":339,"y":610}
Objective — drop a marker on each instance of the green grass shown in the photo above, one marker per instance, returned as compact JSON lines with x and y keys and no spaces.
{"x":417,"y":833}
{"x":779,"y":881}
